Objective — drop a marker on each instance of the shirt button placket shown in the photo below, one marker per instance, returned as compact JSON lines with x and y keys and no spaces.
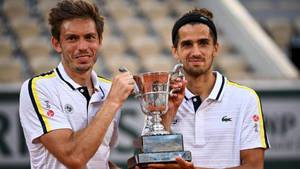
{"x":199,"y":128}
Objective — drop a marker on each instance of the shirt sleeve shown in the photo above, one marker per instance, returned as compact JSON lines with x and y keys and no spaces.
{"x":253,"y":133}
{"x":39,"y":110}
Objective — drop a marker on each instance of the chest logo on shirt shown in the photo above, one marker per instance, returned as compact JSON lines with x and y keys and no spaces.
{"x":47,"y":105}
{"x":68,"y":109}
{"x":255,"y":118}
{"x":255,"y":127}
{"x":50,"y":113}
{"x":226,"y":119}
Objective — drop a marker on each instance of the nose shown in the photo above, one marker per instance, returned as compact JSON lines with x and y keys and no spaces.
{"x":83,"y":45}
{"x":196,"y":51}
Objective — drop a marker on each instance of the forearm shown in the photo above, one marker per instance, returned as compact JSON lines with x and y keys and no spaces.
{"x":168,"y":118}
{"x":74,"y":149}
{"x":174,"y":103}
{"x":87,"y":141}
{"x":166,"y":122}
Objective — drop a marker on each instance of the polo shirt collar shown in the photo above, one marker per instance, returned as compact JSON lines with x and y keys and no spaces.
{"x":71,"y":83}
{"x":95,"y":81}
{"x":219,"y":87}
{"x":217,"y":91}
{"x":188,"y":94}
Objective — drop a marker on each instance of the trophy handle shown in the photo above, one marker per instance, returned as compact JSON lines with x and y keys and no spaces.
{"x":136,"y":92}
{"x":176,"y":72}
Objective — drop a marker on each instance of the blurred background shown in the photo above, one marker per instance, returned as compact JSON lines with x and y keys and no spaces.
{"x":259,"y":47}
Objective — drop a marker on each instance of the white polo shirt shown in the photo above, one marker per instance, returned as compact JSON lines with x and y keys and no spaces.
{"x":229,"y":120}
{"x":54,"y":101}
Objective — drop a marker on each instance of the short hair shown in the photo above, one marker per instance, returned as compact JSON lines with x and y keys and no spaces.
{"x":71,"y":9}
{"x":196,"y":11}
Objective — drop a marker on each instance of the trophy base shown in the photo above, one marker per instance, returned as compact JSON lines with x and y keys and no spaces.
{"x":159,"y":143}
{"x":158,"y":157}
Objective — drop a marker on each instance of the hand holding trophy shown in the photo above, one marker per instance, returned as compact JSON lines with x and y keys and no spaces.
{"x":157,"y":145}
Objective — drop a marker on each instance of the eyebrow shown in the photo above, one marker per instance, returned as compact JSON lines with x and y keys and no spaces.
{"x":89,"y":33}
{"x":185,"y":41}
{"x":198,"y":40}
{"x":204,"y":39}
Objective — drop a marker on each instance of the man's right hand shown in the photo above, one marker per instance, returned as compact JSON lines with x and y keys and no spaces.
{"x":74,"y":149}
{"x":122,"y":86}
{"x":174,"y":103}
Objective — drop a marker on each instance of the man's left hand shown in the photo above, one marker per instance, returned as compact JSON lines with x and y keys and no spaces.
{"x":180,"y":164}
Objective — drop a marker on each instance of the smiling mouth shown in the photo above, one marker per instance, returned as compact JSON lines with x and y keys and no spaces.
{"x":196,"y":61}
{"x":82,"y":59}
{"x":80,"y":56}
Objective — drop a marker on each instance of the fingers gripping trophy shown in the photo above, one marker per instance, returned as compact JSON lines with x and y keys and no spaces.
{"x":157,"y":145}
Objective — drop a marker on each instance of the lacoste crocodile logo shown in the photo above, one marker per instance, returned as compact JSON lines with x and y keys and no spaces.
{"x":226,"y":119}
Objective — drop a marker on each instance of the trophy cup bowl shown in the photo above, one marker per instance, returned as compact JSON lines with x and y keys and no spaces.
{"x":153,"y":94}
{"x":157,"y":145}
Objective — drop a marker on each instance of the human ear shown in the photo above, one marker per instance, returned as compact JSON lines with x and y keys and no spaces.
{"x":56,"y":45}
{"x":216,"y":49}
{"x":175,"y":53}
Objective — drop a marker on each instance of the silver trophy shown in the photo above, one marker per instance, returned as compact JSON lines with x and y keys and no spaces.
{"x":157,"y":145}
{"x":153,"y":93}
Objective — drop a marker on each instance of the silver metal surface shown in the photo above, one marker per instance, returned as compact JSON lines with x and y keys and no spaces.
{"x":153,"y":93}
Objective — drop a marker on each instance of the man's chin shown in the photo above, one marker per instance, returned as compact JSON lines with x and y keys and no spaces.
{"x":83,"y":69}
{"x":195,"y":72}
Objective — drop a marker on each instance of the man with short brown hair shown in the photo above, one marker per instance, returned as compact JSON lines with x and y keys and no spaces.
{"x":70,"y":115}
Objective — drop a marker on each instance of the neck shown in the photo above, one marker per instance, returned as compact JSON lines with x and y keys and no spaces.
{"x":81,"y":78}
{"x":201,"y":85}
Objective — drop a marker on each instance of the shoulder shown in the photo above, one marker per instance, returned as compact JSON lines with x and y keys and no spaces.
{"x":32,"y":89}
{"x":104,"y":80}
{"x":104,"y":83}
{"x":47,"y":76}
{"x":241,"y":90}
{"x":42,"y":80}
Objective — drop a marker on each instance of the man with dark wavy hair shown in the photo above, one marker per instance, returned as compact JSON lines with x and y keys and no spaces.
{"x":221,"y":121}
{"x":70,"y":115}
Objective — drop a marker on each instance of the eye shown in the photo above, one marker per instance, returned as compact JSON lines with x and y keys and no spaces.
{"x":71,"y":38}
{"x":186,"y":44}
{"x":204,"y":42}
{"x":90,"y":37}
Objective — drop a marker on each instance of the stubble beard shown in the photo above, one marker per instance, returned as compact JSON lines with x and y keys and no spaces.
{"x":82,"y":69}
{"x":79,"y":68}
{"x":197,"y":72}
{"x":194,"y":73}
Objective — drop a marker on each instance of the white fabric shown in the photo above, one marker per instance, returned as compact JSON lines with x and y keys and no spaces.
{"x":60,"y":104}
{"x":216,"y":143}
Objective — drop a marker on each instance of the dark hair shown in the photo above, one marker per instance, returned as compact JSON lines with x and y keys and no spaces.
{"x":70,"y":9}
{"x":192,"y":17}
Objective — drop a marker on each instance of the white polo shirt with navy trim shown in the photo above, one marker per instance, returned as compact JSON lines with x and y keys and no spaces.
{"x":229,"y":120}
{"x":54,"y":101}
